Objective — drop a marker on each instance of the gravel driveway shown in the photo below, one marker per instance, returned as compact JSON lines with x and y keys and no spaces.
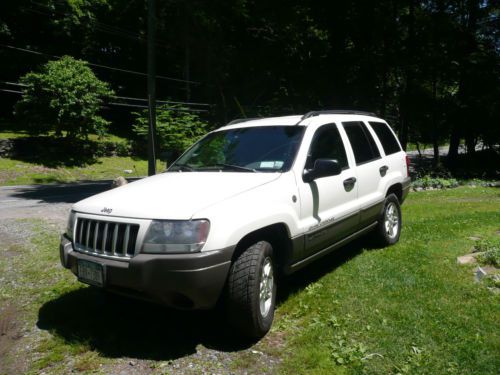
{"x":19,"y":334}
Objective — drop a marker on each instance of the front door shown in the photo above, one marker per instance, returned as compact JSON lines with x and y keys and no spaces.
{"x":328,"y":205}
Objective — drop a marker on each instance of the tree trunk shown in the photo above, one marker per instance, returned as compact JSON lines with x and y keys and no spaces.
{"x":435,"y":131}
{"x":408,"y":94}
{"x":460,"y":125}
{"x":454,"y":143}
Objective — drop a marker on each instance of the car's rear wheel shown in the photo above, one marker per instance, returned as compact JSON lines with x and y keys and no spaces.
{"x":251,"y":290}
{"x":388,"y":229}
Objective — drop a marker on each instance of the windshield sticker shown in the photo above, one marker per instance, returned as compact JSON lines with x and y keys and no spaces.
{"x":271,"y":164}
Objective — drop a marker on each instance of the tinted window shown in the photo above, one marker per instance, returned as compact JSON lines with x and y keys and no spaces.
{"x":327,"y":144}
{"x":363,"y":144}
{"x":386,"y":137}
{"x":263,"y":148}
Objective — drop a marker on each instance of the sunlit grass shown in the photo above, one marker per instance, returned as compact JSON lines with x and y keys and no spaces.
{"x":405,"y":309}
{"x":16,"y":172}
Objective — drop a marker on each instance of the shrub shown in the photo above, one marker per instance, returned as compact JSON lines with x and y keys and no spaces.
{"x":427,"y":182}
{"x":176,"y":129}
{"x":64,"y":96}
{"x":490,"y":252}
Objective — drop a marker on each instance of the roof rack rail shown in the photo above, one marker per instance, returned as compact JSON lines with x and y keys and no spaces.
{"x":238,"y":120}
{"x":337,"y":112}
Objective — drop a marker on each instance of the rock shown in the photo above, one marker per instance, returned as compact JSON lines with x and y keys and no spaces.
{"x":474,"y":238}
{"x":119,"y":181}
{"x":132,"y":363}
{"x":128,"y":171}
{"x":480,"y":273}
{"x":467,"y":259}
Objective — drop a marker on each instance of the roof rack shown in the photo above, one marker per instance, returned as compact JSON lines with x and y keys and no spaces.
{"x":337,"y":112}
{"x":238,"y":120}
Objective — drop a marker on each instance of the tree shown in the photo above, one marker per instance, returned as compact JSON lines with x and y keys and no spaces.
{"x":64,"y":96}
{"x":176,"y":129}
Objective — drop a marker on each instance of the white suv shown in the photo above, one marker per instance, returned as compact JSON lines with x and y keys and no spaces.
{"x":250,"y":200}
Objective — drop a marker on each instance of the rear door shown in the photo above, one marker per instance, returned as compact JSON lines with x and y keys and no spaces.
{"x":370,"y":169}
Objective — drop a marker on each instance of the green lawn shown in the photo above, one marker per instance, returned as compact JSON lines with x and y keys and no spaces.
{"x":14,"y":133}
{"x":16,"y":172}
{"x":21,"y":172}
{"x":407,"y":309}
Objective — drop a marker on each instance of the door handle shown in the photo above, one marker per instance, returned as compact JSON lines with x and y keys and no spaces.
{"x":349,"y":183}
{"x":383,"y":170}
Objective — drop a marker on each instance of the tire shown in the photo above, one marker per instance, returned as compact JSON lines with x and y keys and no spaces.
{"x":388,"y":229}
{"x":251,"y":291}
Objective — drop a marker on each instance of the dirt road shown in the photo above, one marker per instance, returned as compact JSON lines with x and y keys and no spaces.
{"x":50,"y":202}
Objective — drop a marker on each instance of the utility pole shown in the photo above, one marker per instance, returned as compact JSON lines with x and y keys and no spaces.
{"x":151,"y":87}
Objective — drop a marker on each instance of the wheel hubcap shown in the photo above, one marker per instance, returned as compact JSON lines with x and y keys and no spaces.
{"x":391,"y":220}
{"x":266,"y":287}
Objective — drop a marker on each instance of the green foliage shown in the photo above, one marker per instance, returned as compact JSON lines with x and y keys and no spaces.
{"x":176,"y":128}
{"x":490,"y":251}
{"x":428,"y":182}
{"x":64,"y":96}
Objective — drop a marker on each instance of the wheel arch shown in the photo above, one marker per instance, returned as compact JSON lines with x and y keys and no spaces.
{"x":397,"y":190}
{"x":278,"y":235}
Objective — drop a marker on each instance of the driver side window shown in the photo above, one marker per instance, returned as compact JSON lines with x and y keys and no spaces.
{"x":327,"y":144}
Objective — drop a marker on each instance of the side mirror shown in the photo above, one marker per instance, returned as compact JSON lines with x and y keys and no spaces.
{"x":322,"y":168}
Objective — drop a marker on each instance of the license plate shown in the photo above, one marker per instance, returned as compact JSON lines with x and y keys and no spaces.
{"x":90,"y":272}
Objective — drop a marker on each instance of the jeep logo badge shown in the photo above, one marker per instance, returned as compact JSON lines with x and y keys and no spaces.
{"x":106,"y":210}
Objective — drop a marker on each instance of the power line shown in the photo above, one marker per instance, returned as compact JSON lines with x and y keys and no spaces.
{"x":127,"y":105}
{"x":164,"y":101}
{"x":145,"y":107}
{"x":12,"y":91}
{"x":101,"y":66}
{"x":123,"y":97}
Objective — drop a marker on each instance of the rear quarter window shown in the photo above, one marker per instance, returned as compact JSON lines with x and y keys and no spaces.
{"x":386,"y":137}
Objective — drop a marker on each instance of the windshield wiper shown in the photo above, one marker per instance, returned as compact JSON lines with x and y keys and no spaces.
{"x":231,"y":166}
{"x":183,"y":167}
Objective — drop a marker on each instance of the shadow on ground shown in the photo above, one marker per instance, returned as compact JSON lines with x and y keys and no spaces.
{"x":120,"y":327}
{"x":61,"y":193}
{"x":299,"y":280}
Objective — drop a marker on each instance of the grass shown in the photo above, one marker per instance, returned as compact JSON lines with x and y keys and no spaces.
{"x":16,"y":172}
{"x":11,"y":134}
{"x":42,"y":169}
{"x":407,"y":309}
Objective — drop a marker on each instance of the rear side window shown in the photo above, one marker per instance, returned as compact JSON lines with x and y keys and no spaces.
{"x":386,"y":137}
{"x":327,"y":144}
{"x":363,"y":145}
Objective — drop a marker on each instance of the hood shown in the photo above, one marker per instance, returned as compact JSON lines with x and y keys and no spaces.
{"x":172,"y":195}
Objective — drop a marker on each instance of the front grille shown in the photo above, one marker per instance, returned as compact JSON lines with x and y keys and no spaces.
{"x":106,"y":238}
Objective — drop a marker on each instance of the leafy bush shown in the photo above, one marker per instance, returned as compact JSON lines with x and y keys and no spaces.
{"x":490,"y":252}
{"x":64,"y":96}
{"x":428,"y":182}
{"x":176,"y":129}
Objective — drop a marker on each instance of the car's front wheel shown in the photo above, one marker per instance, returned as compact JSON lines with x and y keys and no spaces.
{"x":251,"y":290}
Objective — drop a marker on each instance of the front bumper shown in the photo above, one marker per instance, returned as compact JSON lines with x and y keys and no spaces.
{"x":185,"y":281}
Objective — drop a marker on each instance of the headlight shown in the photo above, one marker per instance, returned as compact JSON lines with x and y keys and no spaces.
{"x":71,"y":224}
{"x":175,"y":236}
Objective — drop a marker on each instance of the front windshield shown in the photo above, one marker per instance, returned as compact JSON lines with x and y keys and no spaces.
{"x":253,"y":149}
